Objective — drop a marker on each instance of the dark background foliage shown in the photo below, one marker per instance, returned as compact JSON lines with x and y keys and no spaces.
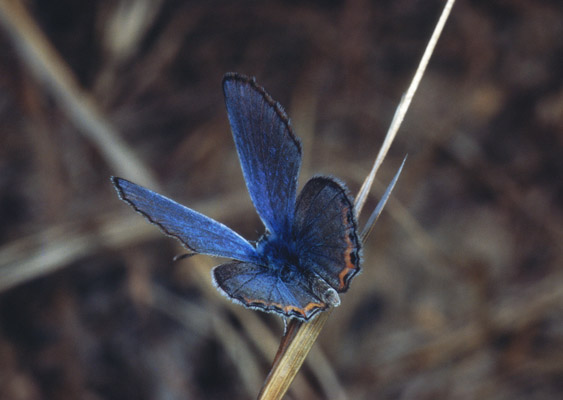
{"x":462,"y":290}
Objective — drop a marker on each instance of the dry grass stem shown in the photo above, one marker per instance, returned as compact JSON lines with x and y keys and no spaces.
{"x":300,"y":337}
{"x":43,"y":60}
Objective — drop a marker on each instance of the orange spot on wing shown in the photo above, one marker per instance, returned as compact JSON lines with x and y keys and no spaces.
{"x":287,"y":309}
{"x":350,"y":266}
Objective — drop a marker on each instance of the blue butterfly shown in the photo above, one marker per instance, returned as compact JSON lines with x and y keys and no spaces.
{"x":311,"y":249}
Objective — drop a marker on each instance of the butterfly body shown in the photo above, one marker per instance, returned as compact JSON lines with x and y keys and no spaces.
{"x":310,"y":251}
{"x":279,"y":255}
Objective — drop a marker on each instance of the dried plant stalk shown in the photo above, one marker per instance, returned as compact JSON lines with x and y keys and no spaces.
{"x":299,"y":336}
{"x":47,"y":65}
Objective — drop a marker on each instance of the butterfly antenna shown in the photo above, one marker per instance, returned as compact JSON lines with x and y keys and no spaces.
{"x":183,"y":256}
{"x":375,"y":214}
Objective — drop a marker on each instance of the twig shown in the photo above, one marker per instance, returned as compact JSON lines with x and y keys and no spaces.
{"x":403,"y":107}
{"x":300,"y":337}
{"x":45,"y":63}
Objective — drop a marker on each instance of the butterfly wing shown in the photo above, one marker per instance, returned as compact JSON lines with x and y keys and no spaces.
{"x":255,"y":286}
{"x":269,"y":152}
{"x":197,"y":232}
{"x":325,"y":232}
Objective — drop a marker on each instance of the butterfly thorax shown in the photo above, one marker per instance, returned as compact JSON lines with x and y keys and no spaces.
{"x":279,"y":256}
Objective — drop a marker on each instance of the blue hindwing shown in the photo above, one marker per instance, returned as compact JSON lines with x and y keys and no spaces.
{"x":258,"y":287}
{"x":325,"y":232}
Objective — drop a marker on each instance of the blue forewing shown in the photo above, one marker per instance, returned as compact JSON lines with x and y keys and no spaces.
{"x":197,"y":232}
{"x":269,"y":152}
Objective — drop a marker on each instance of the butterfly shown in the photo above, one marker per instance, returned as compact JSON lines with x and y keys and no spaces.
{"x":310,"y":250}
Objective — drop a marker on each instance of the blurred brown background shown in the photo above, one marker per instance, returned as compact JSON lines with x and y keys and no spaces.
{"x":462,"y":290}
